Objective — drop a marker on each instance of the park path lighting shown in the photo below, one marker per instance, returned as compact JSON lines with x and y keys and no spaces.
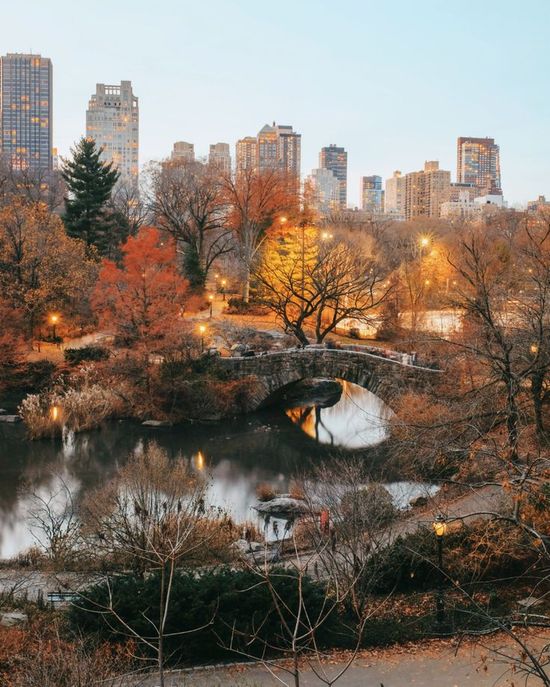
{"x":55,"y":413}
{"x":224,"y":284}
{"x":534,"y":349}
{"x":326,"y":236}
{"x":440,"y":530}
{"x":202,"y":330}
{"x":54,"y":319}
{"x":210,"y":303}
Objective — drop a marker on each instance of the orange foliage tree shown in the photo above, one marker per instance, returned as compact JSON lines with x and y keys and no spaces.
{"x":142,"y":300}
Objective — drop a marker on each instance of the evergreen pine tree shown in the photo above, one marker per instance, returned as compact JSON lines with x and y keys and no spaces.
{"x":90,"y":182}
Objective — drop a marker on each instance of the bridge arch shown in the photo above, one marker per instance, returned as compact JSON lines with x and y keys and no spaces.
{"x":382,"y":376}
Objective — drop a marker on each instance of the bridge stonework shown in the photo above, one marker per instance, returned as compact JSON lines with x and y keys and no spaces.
{"x":382,"y":376}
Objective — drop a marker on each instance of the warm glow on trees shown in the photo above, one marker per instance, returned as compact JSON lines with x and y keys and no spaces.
{"x":143,"y":300}
{"x":256,"y":201}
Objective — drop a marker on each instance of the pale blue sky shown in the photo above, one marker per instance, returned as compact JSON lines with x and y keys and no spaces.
{"x":394,"y":81}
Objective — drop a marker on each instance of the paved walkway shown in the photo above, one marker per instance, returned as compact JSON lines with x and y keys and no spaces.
{"x":433,"y":664}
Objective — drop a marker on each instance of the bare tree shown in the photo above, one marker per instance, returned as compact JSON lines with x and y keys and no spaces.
{"x":321,"y":286}
{"x":153,"y":516}
{"x":55,"y":525}
{"x":187,"y":201}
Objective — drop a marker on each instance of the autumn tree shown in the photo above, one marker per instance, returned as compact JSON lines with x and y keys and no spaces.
{"x":90,"y":182}
{"x":41,"y":268}
{"x":255,"y":200}
{"x":314,"y":283}
{"x":187,"y":201}
{"x":143,"y":299}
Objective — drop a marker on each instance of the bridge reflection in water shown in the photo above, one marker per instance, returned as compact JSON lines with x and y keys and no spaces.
{"x":359,"y":419}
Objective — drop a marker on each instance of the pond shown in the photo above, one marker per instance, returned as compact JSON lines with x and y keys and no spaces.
{"x":270,"y":447}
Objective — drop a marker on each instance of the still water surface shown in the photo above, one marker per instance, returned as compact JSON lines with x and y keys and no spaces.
{"x":236,"y":456}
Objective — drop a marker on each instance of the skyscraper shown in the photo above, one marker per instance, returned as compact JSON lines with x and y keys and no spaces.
{"x":246,"y":153}
{"x":112,"y":120}
{"x":394,"y":195}
{"x":220,"y":156}
{"x":323,"y":190}
{"x":478,"y":163}
{"x":26,"y":111}
{"x":426,"y":190}
{"x":279,"y":147}
{"x":183,"y":151}
{"x":335,"y":158}
{"x":372,"y":195}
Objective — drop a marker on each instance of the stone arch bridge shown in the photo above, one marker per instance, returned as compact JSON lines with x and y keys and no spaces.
{"x":384,"y":376}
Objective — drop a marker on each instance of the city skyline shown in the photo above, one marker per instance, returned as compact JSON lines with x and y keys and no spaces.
{"x":224,"y":100}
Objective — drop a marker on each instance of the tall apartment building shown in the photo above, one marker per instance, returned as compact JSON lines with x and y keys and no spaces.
{"x":26,"y":111}
{"x":246,"y":153}
{"x":394,"y":195}
{"x":426,"y":190}
{"x":183,"y":151}
{"x":279,"y":147}
{"x":323,"y":190}
{"x":478,"y":163}
{"x":335,"y":159}
{"x":219,"y":156}
{"x":372,"y":195}
{"x":112,"y":120}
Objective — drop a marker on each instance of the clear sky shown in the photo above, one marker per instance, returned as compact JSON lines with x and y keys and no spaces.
{"x":394,"y":81}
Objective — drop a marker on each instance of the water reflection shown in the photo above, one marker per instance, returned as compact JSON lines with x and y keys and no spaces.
{"x":359,"y":419}
{"x":235,"y":456}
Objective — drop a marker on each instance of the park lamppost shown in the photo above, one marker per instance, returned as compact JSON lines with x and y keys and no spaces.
{"x":54,"y":319}
{"x":210,"y":303}
{"x":202,"y":330}
{"x":440,"y":530}
{"x":224,"y":283}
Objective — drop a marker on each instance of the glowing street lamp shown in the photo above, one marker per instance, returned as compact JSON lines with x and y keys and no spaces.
{"x":283,"y":220}
{"x":54,"y":319}
{"x":326,"y":236}
{"x":202,"y":330}
{"x":424,"y":241}
{"x":55,"y":413}
{"x":210,"y":302}
{"x":440,"y":530}
{"x":223,"y":282}
{"x":534,"y":348}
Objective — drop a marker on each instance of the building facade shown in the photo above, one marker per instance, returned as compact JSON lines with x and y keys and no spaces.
{"x":112,"y":120}
{"x":279,"y":147}
{"x":220,"y":156}
{"x":478,"y":163}
{"x":394,"y":196}
{"x":335,"y":159}
{"x":372,"y":194}
{"x":323,"y":191}
{"x":183,"y":151}
{"x":426,"y":190}
{"x":246,"y":153}
{"x":26,"y":111}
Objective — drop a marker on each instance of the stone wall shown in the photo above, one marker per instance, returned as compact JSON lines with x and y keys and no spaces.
{"x":382,"y":376}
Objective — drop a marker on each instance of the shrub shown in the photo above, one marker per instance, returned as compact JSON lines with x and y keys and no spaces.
{"x":220,"y":600}
{"x":83,"y":404}
{"x":482,"y":552}
{"x":265,"y":492}
{"x":238,"y":306}
{"x":85,"y":354}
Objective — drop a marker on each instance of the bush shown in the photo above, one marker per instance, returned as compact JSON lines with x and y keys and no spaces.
{"x":220,"y":600}
{"x":238,"y":306}
{"x":74,"y":356}
{"x":483,"y":552}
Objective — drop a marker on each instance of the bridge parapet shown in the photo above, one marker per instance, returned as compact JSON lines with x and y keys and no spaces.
{"x":383,"y":376}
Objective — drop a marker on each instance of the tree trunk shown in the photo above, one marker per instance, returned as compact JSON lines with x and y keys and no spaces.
{"x":246,"y":284}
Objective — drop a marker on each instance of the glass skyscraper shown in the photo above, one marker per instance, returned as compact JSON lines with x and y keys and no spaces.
{"x":26,"y":111}
{"x":335,"y":158}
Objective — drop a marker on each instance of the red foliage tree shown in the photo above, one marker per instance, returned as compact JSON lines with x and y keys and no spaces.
{"x":142,"y":300}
